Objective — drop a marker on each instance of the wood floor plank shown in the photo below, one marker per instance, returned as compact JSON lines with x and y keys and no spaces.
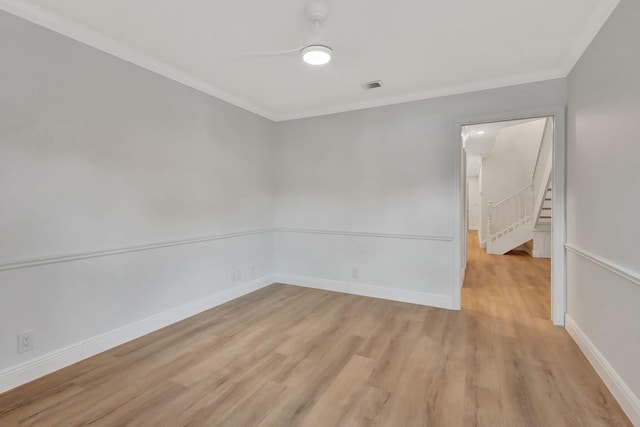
{"x":291,"y":356}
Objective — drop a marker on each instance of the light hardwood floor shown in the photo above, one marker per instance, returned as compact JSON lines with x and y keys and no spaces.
{"x":292,"y":356}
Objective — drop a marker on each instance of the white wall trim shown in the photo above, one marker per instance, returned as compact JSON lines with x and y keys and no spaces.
{"x":604,"y":9}
{"x":476,"y":86}
{"x":401,"y":295}
{"x":366,"y":234}
{"x":55,"y":22}
{"x":53,"y":259}
{"x":69,"y":28}
{"x":621,"y":392}
{"x":623,"y":272}
{"x":558,"y":260}
{"x":28,"y":371}
{"x":32,"y":262}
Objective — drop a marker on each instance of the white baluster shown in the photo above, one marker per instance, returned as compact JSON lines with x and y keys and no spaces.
{"x":489,"y":219}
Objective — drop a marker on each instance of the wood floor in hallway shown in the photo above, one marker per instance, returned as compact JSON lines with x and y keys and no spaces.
{"x":290,"y":356}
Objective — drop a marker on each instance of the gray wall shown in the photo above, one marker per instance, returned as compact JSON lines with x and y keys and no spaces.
{"x":97,"y":154}
{"x":373,"y":190}
{"x":604,"y":193}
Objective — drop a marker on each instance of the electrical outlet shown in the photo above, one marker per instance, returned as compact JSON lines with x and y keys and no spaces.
{"x":355,"y":274}
{"x":25,"y":341}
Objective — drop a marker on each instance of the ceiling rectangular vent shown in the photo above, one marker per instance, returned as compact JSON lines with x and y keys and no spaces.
{"x":372,"y":85}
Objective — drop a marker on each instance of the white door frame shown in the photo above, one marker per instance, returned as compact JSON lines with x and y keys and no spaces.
{"x":558,"y":225}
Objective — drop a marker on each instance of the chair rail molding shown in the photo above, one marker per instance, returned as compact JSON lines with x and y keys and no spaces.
{"x":32,"y":262}
{"x":623,"y":272}
{"x":436,"y":237}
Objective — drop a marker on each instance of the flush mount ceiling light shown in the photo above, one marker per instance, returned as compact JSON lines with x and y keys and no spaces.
{"x":480,"y":132}
{"x":316,"y":54}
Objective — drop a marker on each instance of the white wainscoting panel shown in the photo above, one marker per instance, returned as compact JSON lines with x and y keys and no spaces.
{"x":413,"y":297}
{"x":58,"y":359}
{"x":622,"y":393}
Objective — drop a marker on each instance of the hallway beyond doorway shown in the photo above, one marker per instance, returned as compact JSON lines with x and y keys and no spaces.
{"x":512,"y":285}
{"x":520,"y":368}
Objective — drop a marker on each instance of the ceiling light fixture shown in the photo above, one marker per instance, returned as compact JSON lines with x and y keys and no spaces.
{"x":316,"y":54}
{"x":480,"y":132}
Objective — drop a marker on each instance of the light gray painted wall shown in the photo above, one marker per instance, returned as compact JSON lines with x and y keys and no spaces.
{"x":510,"y":166}
{"x":386,"y":170}
{"x":96,"y":153}
{"x":604,"y":191}
{"x":473,"y":197}
{"x":99,"y":154}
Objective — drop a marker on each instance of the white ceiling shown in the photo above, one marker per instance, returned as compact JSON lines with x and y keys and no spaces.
{"x":419,"y":49}
{"x":480,"y":139}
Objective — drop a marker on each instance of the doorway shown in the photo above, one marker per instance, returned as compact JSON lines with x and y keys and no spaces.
{"x":511,"y":197}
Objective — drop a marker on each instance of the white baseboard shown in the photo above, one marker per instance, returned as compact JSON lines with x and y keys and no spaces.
{"x":622,"y":393}
{"x":413,"y":297}
{"x":30,"y":370}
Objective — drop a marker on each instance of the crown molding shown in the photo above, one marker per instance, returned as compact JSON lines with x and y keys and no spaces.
{"x":595,"y":23}
{"x":59,"y":24}
{"x":430,"y":94}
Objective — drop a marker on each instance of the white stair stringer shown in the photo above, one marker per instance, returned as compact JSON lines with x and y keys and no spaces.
{"x":510,"y":239}
{"x":510,"y":222}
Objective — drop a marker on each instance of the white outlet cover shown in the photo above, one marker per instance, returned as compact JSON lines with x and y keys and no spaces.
{"x":26,"y":341}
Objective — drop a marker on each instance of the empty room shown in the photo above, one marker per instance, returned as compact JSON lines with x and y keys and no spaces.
{"x":319,"y":213}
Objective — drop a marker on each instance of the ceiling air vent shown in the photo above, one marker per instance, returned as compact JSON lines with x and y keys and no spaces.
{"x":372,"y":85}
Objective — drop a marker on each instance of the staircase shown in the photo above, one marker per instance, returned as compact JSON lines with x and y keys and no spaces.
{"x":545,"y":216}
{"x":515,"y":220}
{"x":511,"y":222}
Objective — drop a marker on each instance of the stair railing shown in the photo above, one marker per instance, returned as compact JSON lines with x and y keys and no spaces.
{"x":510,"y":213}
{"x":524,"y":206}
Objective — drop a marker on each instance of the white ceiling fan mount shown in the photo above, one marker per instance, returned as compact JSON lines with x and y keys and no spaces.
{"x":313,"y":52}
{"x":317,"y":11}
{"x":316,"y":53}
